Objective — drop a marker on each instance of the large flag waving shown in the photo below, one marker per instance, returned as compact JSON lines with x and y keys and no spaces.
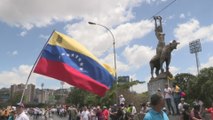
{"x":65,"y":59}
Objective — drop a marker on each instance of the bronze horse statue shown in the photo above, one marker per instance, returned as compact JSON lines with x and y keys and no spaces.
{"x":165,"y":56}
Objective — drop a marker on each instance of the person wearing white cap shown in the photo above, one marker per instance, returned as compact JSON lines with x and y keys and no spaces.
{"x":21,"y":115}
{"x":121,"y":99}
{"x":180,"y":105}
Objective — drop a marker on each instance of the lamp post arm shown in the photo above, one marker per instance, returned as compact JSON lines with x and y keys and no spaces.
{"x":114,"y":51}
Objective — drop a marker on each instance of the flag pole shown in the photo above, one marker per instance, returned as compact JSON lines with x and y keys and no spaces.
{"x":34,"y":67}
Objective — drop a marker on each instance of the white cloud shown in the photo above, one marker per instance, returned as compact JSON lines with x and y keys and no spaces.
{"x":171,"y":17}
{"x":139,"y":88}
{"x":121,"y":66}
{"x":98,"y":40}
{"x":174,"y":70}
{"x":15,"y":52}
{"x":193,"y":69}
{"x":38,"y":13}
{"x":45,"y":37}
{"x":138,"y":56}
{"x":19,"y":75}
{"x":191,"y":30}
{"x":152,"y":1}
{"x":208,"y":64}
{"x":23,"y":33}
{"x":129,"y":31}
{"x":16,"y":76}
{"x":12,"y":53}
{"x":182,"y":15}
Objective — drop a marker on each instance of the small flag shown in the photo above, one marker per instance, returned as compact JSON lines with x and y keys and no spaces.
{"x":170,"y":78}
{"x":65,"y":59}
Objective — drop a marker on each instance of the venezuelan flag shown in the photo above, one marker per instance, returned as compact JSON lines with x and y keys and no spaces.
{"x":65,"y":59}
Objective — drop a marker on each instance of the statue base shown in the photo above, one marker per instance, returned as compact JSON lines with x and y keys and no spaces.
{"x":159,"y":83}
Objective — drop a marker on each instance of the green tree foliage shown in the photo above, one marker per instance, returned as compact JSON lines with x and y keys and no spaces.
{"x":81,"y":97}
{"x":77,"y":96}
{"x":16,"y":98}
{"x":185,"y":81}
{"x":197,"y":87}
{"x":203,"y":87}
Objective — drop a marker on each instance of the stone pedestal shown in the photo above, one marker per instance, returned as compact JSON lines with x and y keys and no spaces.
{"x":154,"y":85}
{"x":158,"y":83}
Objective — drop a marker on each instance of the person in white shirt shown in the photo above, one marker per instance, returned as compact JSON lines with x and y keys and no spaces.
{"x":180,"y":105}
{"x":134,"y":111}
{"x":21,"y":115}
{"x":168,"y":98}
{"x":122,"y":99}
{"x":85,"y":115}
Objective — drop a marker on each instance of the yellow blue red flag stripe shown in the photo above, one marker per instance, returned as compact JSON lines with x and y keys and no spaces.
{"x":67,"y":60}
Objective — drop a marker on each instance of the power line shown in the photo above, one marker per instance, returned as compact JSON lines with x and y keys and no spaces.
{"x":163,"y":8}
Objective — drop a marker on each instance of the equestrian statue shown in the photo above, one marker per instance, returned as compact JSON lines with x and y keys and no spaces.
{"x":163,"y":52}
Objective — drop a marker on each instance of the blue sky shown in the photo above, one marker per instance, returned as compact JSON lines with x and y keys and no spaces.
{"x":26,"y":25}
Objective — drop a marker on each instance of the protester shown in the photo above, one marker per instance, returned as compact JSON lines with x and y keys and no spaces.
{"x":176,"y":94}
{"x":93,"y":113}
{"x":21,"y":115}
{"x":156,"y":112}
{"x":210,"y":110}
{"x":85,"y":114}
{"x":195,"y":114}
{"x":168,"y":98}
{"x":159,"y":92}
{"x":121,"y":99}
{"x":200,"y":103}
{"x":12,"y":115}
{"x":134,"y":111}
{"x":113,"y":112}
{"x":143,"y":110}
{"x":72,"y":112}
{"x":99,"y":114}
{"x":186,"y":112}
{"x":120,"y":113}
{"x":105,"y":113}
{"x":180,"y":105}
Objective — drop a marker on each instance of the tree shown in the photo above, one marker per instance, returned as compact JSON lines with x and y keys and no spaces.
{"x":197,"y":87}
{"x":76,"y":96}
{"x":184,"y":81}
{"x":16,"y":98}
{"x":204,"y":86}
{"x":80,"y":97}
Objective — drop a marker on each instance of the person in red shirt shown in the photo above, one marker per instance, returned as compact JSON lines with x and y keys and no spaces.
{"x":105,"y":113}
{"x":210,"y":110}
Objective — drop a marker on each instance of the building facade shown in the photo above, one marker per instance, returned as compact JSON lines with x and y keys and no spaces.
{"x":17,"y":90}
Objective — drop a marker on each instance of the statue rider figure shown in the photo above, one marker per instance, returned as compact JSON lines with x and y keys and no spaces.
{"x":163,"y":52}
{"x":159,"y":34}
{"x":155,"y":61}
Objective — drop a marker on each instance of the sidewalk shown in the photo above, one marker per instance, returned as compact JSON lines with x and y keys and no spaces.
{"x":176,"y":117}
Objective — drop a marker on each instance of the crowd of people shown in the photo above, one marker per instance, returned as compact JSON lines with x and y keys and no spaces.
{"x":161,"y":105}
{"x":16,"y":112}
{"x":176,"y":105}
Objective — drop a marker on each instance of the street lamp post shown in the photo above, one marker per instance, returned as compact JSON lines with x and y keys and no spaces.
{"x":114,"y":51}
{"x":62,"y":91}
{"x":42,"y":93}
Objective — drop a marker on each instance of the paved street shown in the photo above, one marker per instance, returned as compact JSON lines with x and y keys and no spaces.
{"x":172,"y":117}
{"x":54,"y":117}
